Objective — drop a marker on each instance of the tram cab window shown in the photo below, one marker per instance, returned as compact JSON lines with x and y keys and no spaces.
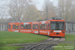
{"x":57,"y":25}
{"x":9,"y":26}
{"x":43,"y":26}
{"x":35,"y":26}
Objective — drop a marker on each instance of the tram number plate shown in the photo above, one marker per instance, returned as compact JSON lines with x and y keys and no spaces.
{"x":57,"y":31}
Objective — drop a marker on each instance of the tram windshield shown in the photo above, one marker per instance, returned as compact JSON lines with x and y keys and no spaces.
{"x":57,"y":25}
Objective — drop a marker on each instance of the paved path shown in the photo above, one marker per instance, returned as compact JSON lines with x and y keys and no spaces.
{"x":57,"y":39}
{"x":70,"y":33}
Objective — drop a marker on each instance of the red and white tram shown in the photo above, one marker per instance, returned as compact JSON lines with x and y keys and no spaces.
{"x":54,"y":27}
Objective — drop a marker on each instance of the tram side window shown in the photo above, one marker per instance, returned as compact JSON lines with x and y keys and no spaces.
{"x":9,"y":26}
{"x":48,"y":27}
{"x":35,"y":26}
{"x":28,"y":26}
{"x":13,"y":26}
{"x":22,"y":26}
{"x":43,"y":26}
{"x":16,"y":27}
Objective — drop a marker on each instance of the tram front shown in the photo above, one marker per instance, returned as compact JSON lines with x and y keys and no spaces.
{"x":57,"y":28}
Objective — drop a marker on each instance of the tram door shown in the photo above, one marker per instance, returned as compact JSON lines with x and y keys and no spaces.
{"x":35,"y":28}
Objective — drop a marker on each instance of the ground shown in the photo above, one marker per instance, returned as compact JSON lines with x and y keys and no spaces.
{"x":11,"y":40}
{"x":64,"y":46}
{"x":18,"y":38}
{"x":70,"y":45}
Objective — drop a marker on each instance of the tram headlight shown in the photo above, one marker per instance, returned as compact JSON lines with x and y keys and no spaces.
{"x":63,"y":31}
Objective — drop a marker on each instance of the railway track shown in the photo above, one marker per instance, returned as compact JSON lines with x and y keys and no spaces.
{"x":44,"y":45}
{"x":50,"y":47}
{"x":40,"y":47}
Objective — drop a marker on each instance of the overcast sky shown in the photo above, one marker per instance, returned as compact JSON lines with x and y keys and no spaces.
{"x":38,"y":3}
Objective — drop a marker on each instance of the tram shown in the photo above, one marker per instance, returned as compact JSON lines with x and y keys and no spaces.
{"x":55,"y":27}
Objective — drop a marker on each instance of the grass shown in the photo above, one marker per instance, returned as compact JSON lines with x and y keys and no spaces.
{"x":9,"y":48}
{"x":18,"y":38}
{"x":64,"y":46}
{"x":70,"y":37}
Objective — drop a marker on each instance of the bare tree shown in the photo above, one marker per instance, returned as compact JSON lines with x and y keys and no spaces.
{"x":65,"y":7}
{"x":31,"y":13}
{"x":49,"y":10}
{"x":3,"y":11}
{"x":17,"y":9}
